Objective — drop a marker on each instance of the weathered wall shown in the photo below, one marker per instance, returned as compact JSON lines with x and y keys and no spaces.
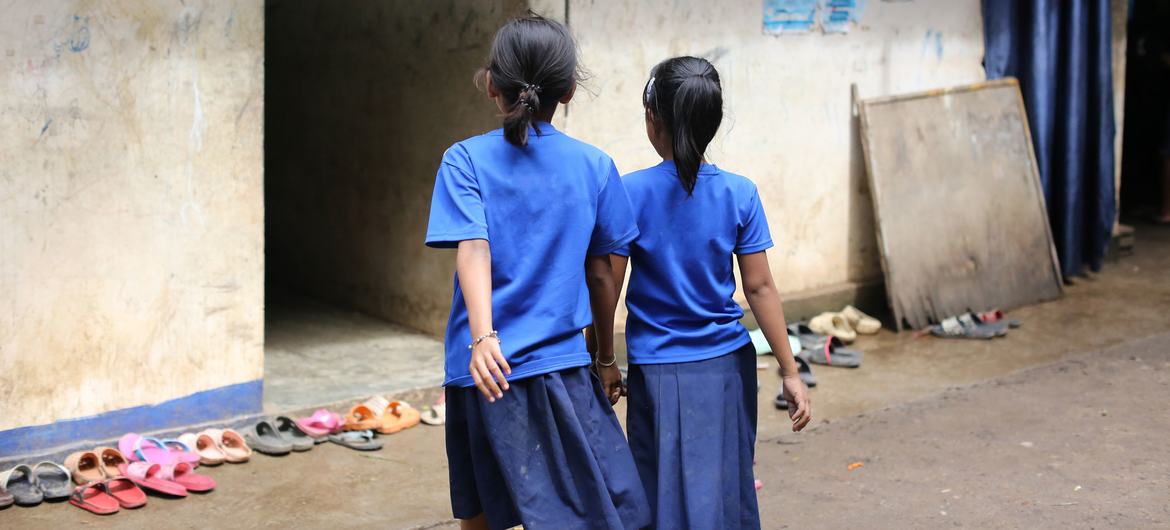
{"x":788,"y":123}
{"x":364,"y":98}
{"x":131,"y":263}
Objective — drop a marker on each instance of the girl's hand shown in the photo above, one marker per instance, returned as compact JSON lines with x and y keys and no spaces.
{"x":611,"y":382}
{"x":799,"y":408}
{"x":488,"y":366}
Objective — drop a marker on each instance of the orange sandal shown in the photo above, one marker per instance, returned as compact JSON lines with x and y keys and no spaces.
{"x":361,"y":418}
{"x":398,"y":417}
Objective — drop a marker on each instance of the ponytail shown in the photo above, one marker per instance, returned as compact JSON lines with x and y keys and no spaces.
{"x":684,"y":92}
{"x":533,"y":60}
{"x":519,"y":117}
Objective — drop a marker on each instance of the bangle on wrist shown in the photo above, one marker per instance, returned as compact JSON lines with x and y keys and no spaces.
{"x":607,"y":365}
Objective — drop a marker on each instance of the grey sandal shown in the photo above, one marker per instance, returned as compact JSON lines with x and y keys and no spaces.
{"x":809,"y":339}
{"x":264,"y":437}
{"x":289,"y":430}
{"x":964,"y":327}
{"x":999,"y":328}
{"x":832,"y":352}
{"x":357,"y":440}
{"x":20,"y":483}
{"x":53,"y":479}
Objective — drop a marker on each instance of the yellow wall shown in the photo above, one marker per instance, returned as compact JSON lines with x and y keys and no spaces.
{"x":131,"y":216}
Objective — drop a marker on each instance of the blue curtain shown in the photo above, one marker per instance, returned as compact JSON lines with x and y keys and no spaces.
{"x":1060,"y":52}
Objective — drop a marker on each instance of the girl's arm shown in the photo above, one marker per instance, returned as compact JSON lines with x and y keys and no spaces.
{"x":603,"y":295}
{"x":765,"y":303}
{"x":473,"y":265}
{"x":619,"y":278}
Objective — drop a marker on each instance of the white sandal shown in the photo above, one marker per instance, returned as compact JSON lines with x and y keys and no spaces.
{"x":861,"y":322}
{"x":833,"y":325}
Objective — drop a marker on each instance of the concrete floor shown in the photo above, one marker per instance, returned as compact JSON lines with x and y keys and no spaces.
{"x":950,"y":432}
{"x":317,"y":354}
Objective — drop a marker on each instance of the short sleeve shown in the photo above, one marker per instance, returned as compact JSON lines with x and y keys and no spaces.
{"x":615,"y":227}
{"x":753,"y":235}
{"x":457,"y":212}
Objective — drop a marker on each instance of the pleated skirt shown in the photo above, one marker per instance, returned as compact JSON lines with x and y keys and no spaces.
{"x":692,"y":429}
{"x":549,"y":454}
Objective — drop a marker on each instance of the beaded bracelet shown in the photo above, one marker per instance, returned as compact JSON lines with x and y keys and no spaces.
{"x":493,"y":335}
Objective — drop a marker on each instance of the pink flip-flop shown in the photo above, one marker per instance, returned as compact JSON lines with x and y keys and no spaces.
{"x":321,"y":424}
{"x":183,"y":474}
{"x":150,"y":477}
{"x":142,"y":449}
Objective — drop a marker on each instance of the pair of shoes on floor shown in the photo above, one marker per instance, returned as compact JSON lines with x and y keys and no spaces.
{"x":279,"y":436}
{"x":109,"y":481}
{"x":102,"y":485}
{"x":216,"y":446}
{"x":328,"y":426}
{"x":26,"y":485}
{"x":382,"y":415}
{"x":817,"y":348}
{"x":970,"y":325}
{"x":845,"y":324}
{"x":164,"y":466}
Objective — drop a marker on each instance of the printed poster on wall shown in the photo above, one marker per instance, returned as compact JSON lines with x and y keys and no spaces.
{"x":783,"y":17}
{"x":838,"y":15}
{"x":789,"y":16}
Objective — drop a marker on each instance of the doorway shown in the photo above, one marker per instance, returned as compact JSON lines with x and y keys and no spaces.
{"x":362,"y":99}
{"x":1145,"y":173}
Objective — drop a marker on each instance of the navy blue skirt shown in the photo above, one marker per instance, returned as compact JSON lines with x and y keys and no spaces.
{"x":550,"y":454}
{"x":692,"y":430}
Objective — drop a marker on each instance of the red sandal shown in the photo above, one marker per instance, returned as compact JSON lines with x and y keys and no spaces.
{"x":92,"y":497}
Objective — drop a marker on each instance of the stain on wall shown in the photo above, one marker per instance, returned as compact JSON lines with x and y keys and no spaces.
{"x":131,"y":215}
{"x":364,"y":98}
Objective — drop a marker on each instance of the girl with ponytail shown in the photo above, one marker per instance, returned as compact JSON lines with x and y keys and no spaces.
{"x":691,"y":415}
{"x":531,"y":437}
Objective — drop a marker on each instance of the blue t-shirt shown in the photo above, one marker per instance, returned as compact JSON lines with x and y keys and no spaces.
{"x":542,"y":208}
{"x":682,"y":280}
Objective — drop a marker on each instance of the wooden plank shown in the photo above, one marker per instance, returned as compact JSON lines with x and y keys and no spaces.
{"x":961,"y":220}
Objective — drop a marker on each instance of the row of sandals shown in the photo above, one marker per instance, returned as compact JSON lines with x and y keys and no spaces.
{"x":357,"y":430}
{"x":105,"y":480}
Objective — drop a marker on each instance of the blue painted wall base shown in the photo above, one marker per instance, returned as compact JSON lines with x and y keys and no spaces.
{"x":201,"y":407}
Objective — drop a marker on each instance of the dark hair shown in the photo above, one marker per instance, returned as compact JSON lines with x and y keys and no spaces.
{"x":533,"y":59}
{"x":684,"y":93}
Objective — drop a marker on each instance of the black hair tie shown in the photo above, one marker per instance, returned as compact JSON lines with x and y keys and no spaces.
{"x":526,"y":95}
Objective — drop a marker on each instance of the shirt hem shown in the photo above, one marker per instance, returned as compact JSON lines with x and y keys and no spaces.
{"x":700,"y":356}
{"x":535,"y":368}
{"x":451,"y":240}
{"x":616,"y":244}
{"x":758,"y":247}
